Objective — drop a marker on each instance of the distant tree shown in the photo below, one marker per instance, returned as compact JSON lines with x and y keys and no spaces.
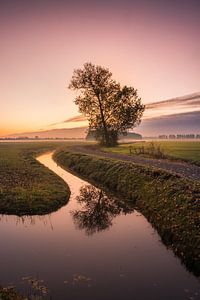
{"x":109,"y":108}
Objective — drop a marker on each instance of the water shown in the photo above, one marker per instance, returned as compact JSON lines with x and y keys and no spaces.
{"x":95,"y":247}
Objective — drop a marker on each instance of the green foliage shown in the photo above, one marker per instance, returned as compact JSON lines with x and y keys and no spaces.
{"x":110,"y":108}
{"x":170,"y":203}
{"x":26,"y":186}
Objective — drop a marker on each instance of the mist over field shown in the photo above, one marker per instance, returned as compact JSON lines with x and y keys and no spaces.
{"x":185,"y":123}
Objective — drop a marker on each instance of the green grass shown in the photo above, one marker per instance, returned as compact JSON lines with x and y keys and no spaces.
{"x":26,"y":186}
{"x":185,"y":150}
{"x":170,"y":203}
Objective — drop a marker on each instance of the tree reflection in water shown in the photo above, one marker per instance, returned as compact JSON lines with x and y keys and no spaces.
{"x":98,"y":210}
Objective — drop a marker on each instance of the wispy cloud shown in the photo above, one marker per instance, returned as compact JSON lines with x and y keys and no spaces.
{"x":78,"y":118}
{"x":155,"y":110}
{"x":191,"y":100}
{"x":179,"y":105}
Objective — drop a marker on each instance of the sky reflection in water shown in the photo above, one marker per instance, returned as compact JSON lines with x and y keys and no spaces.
{"x":115,"y":255}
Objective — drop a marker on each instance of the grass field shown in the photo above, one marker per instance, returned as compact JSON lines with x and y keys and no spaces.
{"x":27,"y":187}
{"x":185,"y":150}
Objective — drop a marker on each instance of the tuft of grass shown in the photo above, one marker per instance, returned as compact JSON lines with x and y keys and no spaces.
{"x":151,"y":150}
{"x":26,"y":186}
{"x":169,"y":202}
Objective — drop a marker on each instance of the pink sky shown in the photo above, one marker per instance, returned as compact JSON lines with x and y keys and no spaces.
{"x":154,"y":48}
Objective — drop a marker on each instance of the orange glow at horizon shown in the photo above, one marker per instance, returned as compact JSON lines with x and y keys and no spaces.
{"x":147,"y":47}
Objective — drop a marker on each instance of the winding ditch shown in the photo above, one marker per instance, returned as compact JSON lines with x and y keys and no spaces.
{"x":95,"y":247}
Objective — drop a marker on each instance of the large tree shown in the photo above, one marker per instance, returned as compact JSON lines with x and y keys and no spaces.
{"x":109,"y":108}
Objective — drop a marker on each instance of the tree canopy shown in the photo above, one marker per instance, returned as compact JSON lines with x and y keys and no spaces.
{"x":109,"y":108}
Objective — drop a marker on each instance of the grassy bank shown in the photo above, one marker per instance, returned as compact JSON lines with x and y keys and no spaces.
{"x":184,"y":150}
{"x":170,"y":203}
{"x":26,"y":186}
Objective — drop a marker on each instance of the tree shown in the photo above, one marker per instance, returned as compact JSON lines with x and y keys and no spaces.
{"x":97,"y":210}
{"x":109,"y":108}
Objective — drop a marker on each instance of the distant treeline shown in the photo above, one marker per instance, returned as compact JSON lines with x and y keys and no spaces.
{"x":38,"y":138}
{"x":91,"y":135}
{"x":179,"y":136}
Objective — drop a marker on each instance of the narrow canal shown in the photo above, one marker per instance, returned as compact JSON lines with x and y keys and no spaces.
{"x":95,"y":247}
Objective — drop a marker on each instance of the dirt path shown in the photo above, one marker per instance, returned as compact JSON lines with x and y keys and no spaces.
{"x":181,"y":168}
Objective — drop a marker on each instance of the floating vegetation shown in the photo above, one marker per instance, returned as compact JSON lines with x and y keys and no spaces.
{"x":79,"y":279}
{"x":36,"y":285}
{"x":35,"y":289}
{"x":10,"y":293}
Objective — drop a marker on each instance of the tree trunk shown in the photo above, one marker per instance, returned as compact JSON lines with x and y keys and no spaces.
{"x":104,"y":123}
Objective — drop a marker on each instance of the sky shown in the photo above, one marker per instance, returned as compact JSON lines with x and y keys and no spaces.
{"x":153,"y":46}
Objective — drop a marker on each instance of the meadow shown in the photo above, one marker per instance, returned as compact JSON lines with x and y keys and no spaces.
{"x":26,"y":186}
{"x":183,"y":150}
